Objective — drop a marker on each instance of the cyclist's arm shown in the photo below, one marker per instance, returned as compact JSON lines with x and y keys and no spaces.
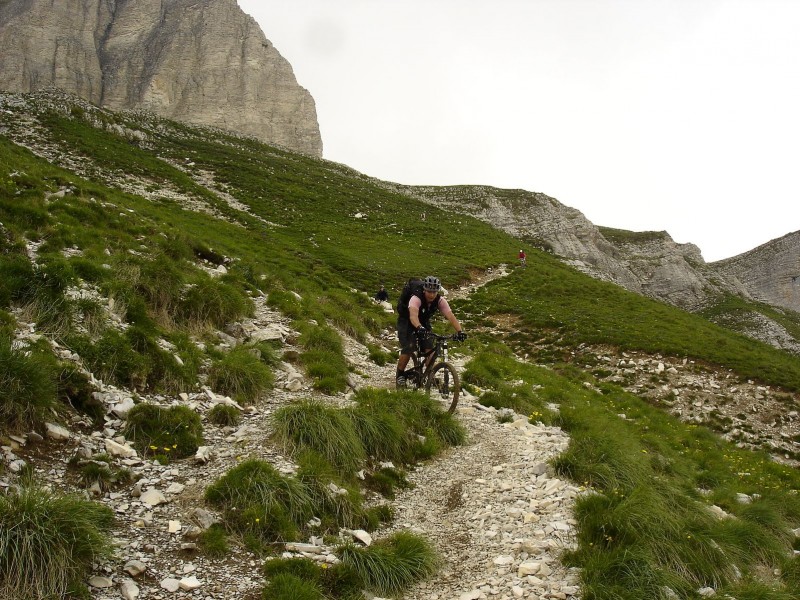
{"x":413,"y":311}
{"x":445,"y":309}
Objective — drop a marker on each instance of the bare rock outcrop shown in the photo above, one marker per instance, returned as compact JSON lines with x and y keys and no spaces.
{"x":200,"y":61}
{"x":649,"y":263}
{"x":770,"y":272}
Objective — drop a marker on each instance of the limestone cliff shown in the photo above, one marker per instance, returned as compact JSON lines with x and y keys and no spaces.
{"x":649,"y":263}
{"x":201,"y":61}
{"x":770,"y":272}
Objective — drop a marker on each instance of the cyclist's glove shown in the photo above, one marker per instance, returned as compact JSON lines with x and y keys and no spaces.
{"x":422,"y":334}
{"x":460,"y":336}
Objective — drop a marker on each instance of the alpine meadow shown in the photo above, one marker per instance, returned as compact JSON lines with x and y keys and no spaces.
{"x":197,"y":392}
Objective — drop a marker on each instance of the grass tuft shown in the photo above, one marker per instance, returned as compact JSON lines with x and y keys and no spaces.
{"x":174,"y":432}
{"x":27,"y":387}
{"x":48,"y":543}
{"x":391,"y":565}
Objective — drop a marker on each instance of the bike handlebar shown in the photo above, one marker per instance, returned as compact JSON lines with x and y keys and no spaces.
{"x":452,"y":337}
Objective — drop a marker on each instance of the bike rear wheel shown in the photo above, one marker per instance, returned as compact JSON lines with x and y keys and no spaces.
{"x":414,"y":374}
{"x":443,"y":384}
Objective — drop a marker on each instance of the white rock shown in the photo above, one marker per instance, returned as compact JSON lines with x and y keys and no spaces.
{"x":100,"y":582}
{"x":203,"y":454}
{"x":190,"y":583}
{"x":134,"y":568}
{"x":122,"y":409}
{"x":56,"y":432}
{"x":473,"y":595}
{"x":153,"y":497}
{"x":115,"y":449}
{"x":129,"y":590}
{"x":175,"y":488}
{"x":361,"y":535}
{"x":170,"y":584}
{"x":503,"y":560}
{"x":174,"y":526}
{"x":528,"y":568}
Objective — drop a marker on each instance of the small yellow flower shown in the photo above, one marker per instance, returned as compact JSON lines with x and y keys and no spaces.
{"x":153,"y":447}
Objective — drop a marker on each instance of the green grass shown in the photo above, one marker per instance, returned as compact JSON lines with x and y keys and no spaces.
{"x":260,"y":504}
{"x":299,"y":245}
{"x":643,"y":524}
{"x":241,"y":374}
{"x":558,"y":305}
{"x":310,"y":425}
{"x":381,"y":426}
{"x":49,"y":542}
{"x":28,"y":390}
{"x":224,"y":415}
{"x":174,"y":432}
{"x":391,"y":565}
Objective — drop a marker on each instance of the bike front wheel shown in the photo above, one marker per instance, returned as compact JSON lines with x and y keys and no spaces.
{"x":443,"y":384}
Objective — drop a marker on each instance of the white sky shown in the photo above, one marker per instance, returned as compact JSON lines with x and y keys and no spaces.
{"x":676,"y":115}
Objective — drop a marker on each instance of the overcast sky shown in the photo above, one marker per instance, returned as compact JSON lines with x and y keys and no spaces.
{"x":676,"y":115}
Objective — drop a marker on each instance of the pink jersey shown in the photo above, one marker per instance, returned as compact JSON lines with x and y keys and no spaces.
{"x":444,"y":307}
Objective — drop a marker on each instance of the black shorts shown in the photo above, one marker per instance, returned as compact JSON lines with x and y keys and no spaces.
{"x":408,"y":337}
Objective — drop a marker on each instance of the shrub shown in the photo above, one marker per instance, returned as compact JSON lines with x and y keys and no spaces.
{"x":27,"y":387}
{"x":49,"y":542}
{"x":113,"y":358}
{"x":323,"y":357}
{"x":176,"y":431}
{"x":385,"y":480}
{"x":391,"y":565}
{"x":240,"y":373}
{"x":378,"y":355}
{"x":224,"y":414}
{"x":16,"y":275}
{"x":286,"y":302}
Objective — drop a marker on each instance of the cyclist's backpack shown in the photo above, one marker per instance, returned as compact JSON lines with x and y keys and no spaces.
{"x":413,"y":286}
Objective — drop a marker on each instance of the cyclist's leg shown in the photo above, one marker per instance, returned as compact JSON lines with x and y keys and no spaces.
{"x":405,"y":335}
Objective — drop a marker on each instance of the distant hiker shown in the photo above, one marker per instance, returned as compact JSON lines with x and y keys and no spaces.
{"x":523,"y":258}
{"x":419,"y":301}
{"x":382,"y":295}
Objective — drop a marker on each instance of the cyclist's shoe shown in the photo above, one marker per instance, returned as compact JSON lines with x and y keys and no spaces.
{"x":400,"y":382}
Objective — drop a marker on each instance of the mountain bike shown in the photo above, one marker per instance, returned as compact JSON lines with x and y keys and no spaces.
{"x":439,"y":377}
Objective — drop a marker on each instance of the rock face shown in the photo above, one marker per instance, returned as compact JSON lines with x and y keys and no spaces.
{"x":200,"y":61}
{"x":649,"y":263}
{"x":770,"y":273}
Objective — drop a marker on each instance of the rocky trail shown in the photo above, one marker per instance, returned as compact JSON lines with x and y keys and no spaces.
{"x":495,"y":515}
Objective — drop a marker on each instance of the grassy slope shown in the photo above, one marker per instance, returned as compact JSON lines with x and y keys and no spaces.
{"x":311,"y":201}
{"x":559,"y":304}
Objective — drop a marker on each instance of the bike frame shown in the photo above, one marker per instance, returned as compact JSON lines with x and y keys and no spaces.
{"x":425,"y":362}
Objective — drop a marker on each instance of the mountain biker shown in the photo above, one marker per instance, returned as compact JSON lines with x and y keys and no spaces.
{"x":413,"y":322}
{"x":523,"y":258}
{"x":382,"y":295}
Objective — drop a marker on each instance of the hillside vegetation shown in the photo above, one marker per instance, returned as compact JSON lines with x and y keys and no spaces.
{"x":133,"y":249}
